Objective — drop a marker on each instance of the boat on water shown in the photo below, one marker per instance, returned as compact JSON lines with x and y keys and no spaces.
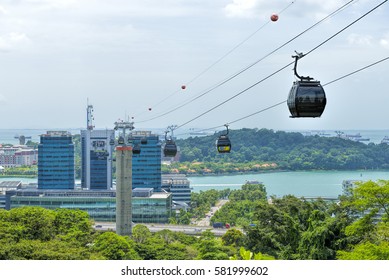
{"x":385,"y":140}
{"x":353,"y":137}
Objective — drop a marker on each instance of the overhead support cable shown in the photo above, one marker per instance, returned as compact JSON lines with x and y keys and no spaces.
{"x":219,"y":84}
{"x":220,"y":59}
{"x":282,"y":102}
{"x":282,"y":68}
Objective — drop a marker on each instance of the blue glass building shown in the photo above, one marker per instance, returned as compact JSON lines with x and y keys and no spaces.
{"x":56,"y":161}
{"x":96,"y":159}
{"x":146,"y":166}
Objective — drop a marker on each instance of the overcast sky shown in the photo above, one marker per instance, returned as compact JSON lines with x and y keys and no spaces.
{"x":127,"y":56}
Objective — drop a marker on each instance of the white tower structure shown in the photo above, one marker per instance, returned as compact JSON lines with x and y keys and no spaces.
{"x":97,"y":151}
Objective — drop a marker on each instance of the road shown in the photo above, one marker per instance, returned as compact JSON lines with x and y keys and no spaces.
{"x":197,"y":227}
{"x":206,"y":221}
{"x":187,"y":229}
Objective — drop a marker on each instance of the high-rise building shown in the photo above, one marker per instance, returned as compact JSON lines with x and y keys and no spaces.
{"x":96,"y":155}
{"x":96,"y":159}
{"x":56,"y":161}
{"x":146,"y":166}
{"x":179,"y":186}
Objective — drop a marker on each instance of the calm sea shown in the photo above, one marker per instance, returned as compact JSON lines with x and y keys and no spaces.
{"x":298,"y":183}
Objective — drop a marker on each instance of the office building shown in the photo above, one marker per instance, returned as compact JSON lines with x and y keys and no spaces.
{"x":56,"y":161}
{"x":148,"y":207}
{"x":7,"y":186}
{"x":146,"y":166}
{"x":18,"y":156}
{"x":179,"y":186}
{"x":96,"y":159}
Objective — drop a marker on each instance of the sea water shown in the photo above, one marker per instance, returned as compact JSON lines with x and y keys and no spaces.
{"x":298,"y":183}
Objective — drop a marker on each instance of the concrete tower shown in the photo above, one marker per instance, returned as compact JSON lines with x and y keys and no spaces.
{"x":123,"y":181}
{"x":123,"y":190}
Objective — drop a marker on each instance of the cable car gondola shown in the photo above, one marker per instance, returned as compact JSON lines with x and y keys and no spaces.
{"x":223,"y":143}
{"x":306,"y":97}
{"x":170,"y":148}
{"x":121,"y":140}
{"x":136,"y":149}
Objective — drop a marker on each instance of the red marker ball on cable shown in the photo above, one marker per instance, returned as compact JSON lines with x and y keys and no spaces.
{"x":274,"y":17}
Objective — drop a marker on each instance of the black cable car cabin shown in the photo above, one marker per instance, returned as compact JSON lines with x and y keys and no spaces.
{"x":170,"y":148}
{"x":121,"y":140}
{"x":223,"y":144}
{"x":136,"y":149}
{"x":306,"y":99}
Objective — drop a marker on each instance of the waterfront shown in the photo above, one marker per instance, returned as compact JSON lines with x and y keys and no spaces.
{"x":298,"y":183}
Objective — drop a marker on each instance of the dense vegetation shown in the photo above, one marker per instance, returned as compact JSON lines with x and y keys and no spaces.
{"x":263,"y":149}
{"x":257,"y":150}
{"x":284,"y":228}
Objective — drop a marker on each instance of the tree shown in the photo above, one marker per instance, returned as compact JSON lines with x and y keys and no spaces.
{"x":209,"y":248}
{"x":366,"y":251}
{"x":369,"y":233}
{"x":233,"y":237}
{"x":73,"y":225}
{"x":140,"y":233}
{"x":38,"y":223}
{"x":247,"y":255}
{"x":115,"y":247}
{"x":292,"y":228}
{"x":372,"y":196}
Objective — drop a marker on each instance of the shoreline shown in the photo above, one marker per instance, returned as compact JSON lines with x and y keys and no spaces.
{"x":226,"y":173}
{"x":273,"y":171}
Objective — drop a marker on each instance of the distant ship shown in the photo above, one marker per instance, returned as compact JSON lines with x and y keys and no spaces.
{"x":385,"y":140}
{"x":353,"y":137}
{"x":199,"y":132}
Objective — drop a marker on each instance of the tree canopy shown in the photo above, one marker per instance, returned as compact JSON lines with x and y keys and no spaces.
{"x":288,"y":227}
{"x":285,"y":150}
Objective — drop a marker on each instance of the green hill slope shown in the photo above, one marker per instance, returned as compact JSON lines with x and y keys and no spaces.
{"x":284,"y":150}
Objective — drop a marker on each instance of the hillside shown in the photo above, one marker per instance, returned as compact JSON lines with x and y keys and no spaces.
{"x":286,"y":151}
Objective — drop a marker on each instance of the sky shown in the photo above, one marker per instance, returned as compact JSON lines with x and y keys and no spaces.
{"x":129,"y":59}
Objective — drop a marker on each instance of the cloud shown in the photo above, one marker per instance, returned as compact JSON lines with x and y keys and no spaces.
{"x":53,"y":4}
{"x":3,"y":10}
{"x":13,"y":40}
{"x":360,"y":40}
{"x":3,"y":100}
{"x":241,"y":8}
{"x":263,"y":8}
{"x":384,"y":42}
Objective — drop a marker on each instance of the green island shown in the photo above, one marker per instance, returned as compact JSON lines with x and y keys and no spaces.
{"x":261,"y":150}
{"x":258,"y":150}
